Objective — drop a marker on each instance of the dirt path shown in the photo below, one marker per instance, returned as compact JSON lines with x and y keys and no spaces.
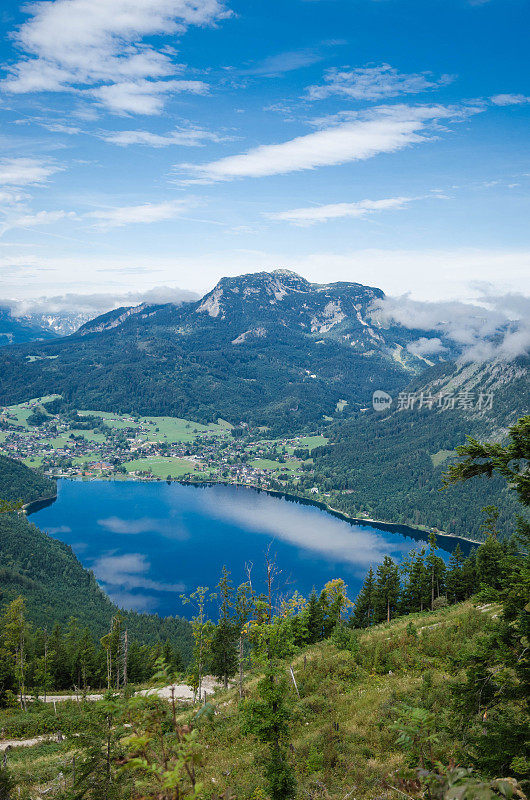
{"x":9,"y":743}
{"x":181,"y":692}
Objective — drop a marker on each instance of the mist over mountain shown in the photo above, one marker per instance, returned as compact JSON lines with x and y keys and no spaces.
{"x":64,"y":314}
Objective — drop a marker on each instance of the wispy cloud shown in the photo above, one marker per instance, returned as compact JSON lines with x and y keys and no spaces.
{"x":87,"y":306}
{"x":183,"y":137}
{"x":35,"y":219}
{"x":312,"y":214}
{"x":383,"y":130}
{"x":509,"y":99}
{"x":374,"y":83}
{"x":25,"y":171}
{"x":497,"y":326}
{"x":143,"y":96}
{"x":72,"y":45}
{"x":287,"y":61}
{"x":107,"y":218}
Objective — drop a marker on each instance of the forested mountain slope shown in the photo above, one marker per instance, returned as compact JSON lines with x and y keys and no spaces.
{"x":389,"y":465}
{"x":269,"y":348}
{"x":17,"y":482}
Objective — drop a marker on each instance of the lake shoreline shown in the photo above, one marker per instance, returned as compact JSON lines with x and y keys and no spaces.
{"x":392,"y":527}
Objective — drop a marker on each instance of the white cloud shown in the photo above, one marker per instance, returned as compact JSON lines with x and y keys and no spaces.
{"x":183,"y":137}
{"x":426,"y":346}
{"x":310,"y":215}
{"x":143,"y":97}
{"x":373,"y":83}
{"x":284,"y":62}
{"x":509,"y":99}
{"x":133,"y":215}
{"x":383,"y":130}
{"x":30,"y":220}
{"x":498,"y":326}
{"x":87,"y":306}
{"x":442,"y":273}
{"x":25,"y":171}
{"x":72,"y":45}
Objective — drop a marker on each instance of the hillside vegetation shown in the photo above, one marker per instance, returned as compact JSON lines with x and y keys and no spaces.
{"x":17,"y":482}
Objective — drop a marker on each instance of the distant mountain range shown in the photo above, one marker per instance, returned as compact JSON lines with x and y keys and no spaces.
{"x":17,"y":330}
{"x":267,"y":348}
{"x":37,"y":327}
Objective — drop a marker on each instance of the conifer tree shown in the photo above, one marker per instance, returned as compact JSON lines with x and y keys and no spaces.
{"x":489,"y":526}
{"x":313,"y":619}
{"x":15,"y":630}
{"x":387,"y":589}
{"x":268,"y":717}
{"x":490,"y":568}
{"x":436,"y":570}
{"x":363,"y":612}
{"x":223,"y":648}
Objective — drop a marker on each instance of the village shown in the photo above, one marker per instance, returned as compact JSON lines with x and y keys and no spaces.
{"x":96,"y":445}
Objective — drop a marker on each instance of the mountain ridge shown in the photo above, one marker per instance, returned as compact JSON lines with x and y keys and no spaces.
{"x":268,"y":348}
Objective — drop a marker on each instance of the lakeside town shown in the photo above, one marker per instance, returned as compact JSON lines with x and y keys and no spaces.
{"x":45,"y":434}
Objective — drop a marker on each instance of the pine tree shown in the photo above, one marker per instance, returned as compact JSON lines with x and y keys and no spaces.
{"x":416,"y":590}
{"x":313,"y":619}
{"x":363,"y":612}
{"x":268,"y":719}
{"x":223,"y":648}
{"x":436,"y":570}
{"x":490,"y":569}
{"x":489,"y":526}
{"x":387,"y":589}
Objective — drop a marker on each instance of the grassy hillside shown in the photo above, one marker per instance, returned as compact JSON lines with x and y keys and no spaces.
{"x":341,"y":729}
{"x":350,"y":697}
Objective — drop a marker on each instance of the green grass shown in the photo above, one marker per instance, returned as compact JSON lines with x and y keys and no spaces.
{"x":111,"y":419}
{"x":359,"y":689}
{"x":313,"y":441}
{"x":161,"y":466}
{"x":21,"y":411}
{"x":81,"y":460}
{"x":170,"y":429}
{"x":33,"y":461}
{"x":441,"y":456}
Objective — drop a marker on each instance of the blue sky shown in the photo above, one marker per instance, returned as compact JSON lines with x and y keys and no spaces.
{"x":152,"y":143}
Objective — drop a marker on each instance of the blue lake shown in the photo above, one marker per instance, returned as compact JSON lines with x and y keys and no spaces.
{"x":147,"y":543}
